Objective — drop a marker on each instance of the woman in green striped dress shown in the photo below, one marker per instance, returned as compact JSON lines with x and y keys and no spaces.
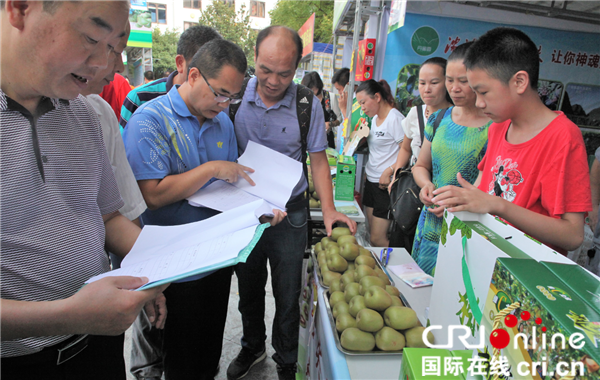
{"x":457,"y":146}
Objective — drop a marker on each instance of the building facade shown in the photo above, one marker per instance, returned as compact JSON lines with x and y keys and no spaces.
{"x":181,"y":14}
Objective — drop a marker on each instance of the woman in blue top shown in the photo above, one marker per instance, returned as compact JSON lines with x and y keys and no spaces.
{"x":457,"y":146}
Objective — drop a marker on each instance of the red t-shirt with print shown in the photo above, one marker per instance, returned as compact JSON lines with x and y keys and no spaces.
{"x":547,"y":174}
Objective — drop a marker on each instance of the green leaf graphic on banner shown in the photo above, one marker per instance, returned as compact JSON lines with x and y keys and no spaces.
{"x":407,"y":88}
{"x":457,"y":224}
{"x":444,"y":231}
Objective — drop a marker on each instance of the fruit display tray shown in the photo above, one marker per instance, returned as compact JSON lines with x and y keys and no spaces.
{"x":377,"y":262}
{"x":337,"y":338}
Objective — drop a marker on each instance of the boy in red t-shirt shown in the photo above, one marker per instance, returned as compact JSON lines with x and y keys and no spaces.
{"x":535,"y":172}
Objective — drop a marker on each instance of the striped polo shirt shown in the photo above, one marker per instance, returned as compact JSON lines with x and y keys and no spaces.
{"x":143,"y":94}
{"x":57,"y":183}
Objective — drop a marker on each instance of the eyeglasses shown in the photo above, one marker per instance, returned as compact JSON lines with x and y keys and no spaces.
{"x":218,"y":97}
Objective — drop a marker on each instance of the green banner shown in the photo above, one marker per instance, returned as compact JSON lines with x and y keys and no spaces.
{"x":138,"y":38}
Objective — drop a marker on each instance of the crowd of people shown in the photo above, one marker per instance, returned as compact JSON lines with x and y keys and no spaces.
{"x":80,"y":176}
{"x":488,"y":146}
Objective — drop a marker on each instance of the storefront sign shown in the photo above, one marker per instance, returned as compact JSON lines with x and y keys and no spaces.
{"x":340,"y":7}
{"x":397,"y":13}
{"x":569,"y":61}
{"x":140,"y":21}
{"x":366,"y":59}
{"x":307,"y":33}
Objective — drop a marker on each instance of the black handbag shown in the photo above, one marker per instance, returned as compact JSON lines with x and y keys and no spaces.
{"x":405,"y":204}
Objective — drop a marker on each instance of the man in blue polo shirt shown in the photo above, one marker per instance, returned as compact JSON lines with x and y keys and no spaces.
{"x":146,"y":341}
{"x":177,"y":144}
{"x":189,"y":42}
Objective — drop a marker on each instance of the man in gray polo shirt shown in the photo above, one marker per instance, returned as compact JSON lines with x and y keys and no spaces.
{"x":267,"y":115}
{"x":59,"y":197}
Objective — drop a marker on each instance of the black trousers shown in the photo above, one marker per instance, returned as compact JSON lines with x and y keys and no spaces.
{"x":193,"y":337}
{"x":101,"y":360}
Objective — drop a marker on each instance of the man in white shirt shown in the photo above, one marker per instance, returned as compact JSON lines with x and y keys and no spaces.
{"x":128,"y":187}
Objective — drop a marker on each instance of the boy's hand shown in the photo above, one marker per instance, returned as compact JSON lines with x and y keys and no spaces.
{"x":467,"y":198}
{"x":427,"y":193}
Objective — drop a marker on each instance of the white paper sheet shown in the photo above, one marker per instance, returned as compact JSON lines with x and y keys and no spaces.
{"x":223,"y":196}
{"x":165,"y":252}
{"x":171,"y":264}
{"x":275,"y":176}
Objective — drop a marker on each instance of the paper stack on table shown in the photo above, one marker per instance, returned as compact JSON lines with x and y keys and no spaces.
{"x":275,"y":176}
{"x":412,"y":275}
{"x":346,"y":208}
{"x":169,"y":253}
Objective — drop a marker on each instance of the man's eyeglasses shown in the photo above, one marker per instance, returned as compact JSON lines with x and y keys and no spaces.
{"x":220,"y":98}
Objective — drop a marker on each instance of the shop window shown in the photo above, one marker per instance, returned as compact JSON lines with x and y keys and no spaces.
{"x":158,"y":13}
{"x":187,"y":25}
{"x":192,"y":4}
{"x":257,"y":8}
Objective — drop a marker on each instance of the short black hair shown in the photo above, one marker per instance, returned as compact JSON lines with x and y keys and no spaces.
{"x":502,"y":52}
{"x":276,"y":28}
{"x":438,"y":61}
{"x":342,"y":76}
{"x":313,"y":80}
{"x":193,"y":38}
{"x":149,"y":75}
{"x":372,"y":87}
{"x":460,"y":52}
{"x":215,"y":54}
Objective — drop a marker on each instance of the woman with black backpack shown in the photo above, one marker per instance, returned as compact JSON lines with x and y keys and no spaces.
{"x":385,"y":137}
{"x":432,"y":90}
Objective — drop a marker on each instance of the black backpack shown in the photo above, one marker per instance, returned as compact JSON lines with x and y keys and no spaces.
{"x":405,"y":204}
{"x":304,"y":99}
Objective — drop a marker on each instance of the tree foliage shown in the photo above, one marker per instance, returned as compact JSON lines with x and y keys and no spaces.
{"x":164,"y":50}
{"x":294,"y":13}
{"x":233,"y":26}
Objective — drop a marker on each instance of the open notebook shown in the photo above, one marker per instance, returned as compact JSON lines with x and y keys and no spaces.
{"x":166,"y":254}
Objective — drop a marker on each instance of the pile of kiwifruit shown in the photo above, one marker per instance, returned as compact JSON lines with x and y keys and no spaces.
{"x":369,"y":314}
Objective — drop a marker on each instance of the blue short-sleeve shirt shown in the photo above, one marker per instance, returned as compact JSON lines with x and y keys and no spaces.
{"x":277,"y":127}
{"x":163,"y":138}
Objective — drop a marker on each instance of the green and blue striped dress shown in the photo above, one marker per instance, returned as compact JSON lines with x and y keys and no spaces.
{"x":455,"y":148}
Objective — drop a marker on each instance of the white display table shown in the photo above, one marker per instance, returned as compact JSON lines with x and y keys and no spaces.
{"x":368,"y":366}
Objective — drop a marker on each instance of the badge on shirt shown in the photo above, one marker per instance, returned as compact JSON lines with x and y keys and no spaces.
{"x":506,"y":178}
